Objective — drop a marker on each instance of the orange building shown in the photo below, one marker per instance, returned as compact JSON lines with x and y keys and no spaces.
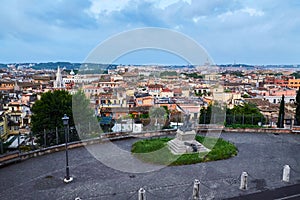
{"x":294,"y":83}
{"x":7,"y":85}
{"x":144,"y":100}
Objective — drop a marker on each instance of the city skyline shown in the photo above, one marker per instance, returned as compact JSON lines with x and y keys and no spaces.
{"x":259,"y":32}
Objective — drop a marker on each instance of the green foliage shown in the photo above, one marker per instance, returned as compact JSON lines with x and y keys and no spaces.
{"x":246,"y":96}
{"x":159,"y":112}
{"x":296,"y":74}
{"x":84,"y":117}
{"x":242,"y":114}
{"x":235,"y":73}
{"x":243,"y":126}
{"x":156,"y":151}
{"x":246,"y":109}
{"x":193,"y":75}
{"x":144,"y":116}
{"x":212,"y":114}
{"x":205,"y":115}
{"x":149,"y":145}
{"x":280,"y":122}
{"x":49,"y":110}
{"x":168,"y":73}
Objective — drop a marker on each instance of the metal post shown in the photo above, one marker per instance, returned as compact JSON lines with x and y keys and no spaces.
{"x":132,"y":125}
{"x":177,"y":121}
{"x":234,"y":118}
{"x":1,"y":143}
{"x":32,"y":140}
{"x":142,"y":194}
{"x":243,"y":118}
{"x":286,"y":173}
{"x":196,"y":190}
{"x":121,"y":125}
{"x":65,"y":119}
{"x":56,"y":135}
{"x":244,"y":180}
{"x":45,"y":139}
{"x":19,"y":149}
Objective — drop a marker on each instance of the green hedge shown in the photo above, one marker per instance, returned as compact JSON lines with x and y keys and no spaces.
{"x":156,"y":151}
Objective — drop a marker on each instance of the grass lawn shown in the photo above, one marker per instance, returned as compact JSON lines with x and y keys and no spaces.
{"x":156,"y":151}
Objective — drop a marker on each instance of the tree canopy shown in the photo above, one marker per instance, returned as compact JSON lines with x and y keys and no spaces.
{"x":84,"y":117}
{"x":241,"y":114}
{"x":49,"y":110}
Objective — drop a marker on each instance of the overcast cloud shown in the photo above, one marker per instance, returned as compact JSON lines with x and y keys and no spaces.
{"x":253,"y":32}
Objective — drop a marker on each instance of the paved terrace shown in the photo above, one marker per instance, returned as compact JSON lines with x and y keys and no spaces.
{"x":261,"y":155}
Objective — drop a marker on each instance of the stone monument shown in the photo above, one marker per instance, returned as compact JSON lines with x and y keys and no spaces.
{"x":184,"y":141}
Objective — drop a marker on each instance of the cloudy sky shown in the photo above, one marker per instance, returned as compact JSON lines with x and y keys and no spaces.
{"x":241,"y":31}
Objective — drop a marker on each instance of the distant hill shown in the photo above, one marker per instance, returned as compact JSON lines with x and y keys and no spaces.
{"x":69,"y":66}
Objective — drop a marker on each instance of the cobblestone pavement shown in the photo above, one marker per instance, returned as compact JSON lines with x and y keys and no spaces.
{"x":261,"y":155}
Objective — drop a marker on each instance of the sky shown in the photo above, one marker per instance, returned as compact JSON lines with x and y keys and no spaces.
{"x":231,"y":31}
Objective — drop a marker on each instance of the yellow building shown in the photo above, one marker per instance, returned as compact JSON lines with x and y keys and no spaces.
{"x":6,"y":85}
{"x":3,"y":126}
{"x":294,"y":83}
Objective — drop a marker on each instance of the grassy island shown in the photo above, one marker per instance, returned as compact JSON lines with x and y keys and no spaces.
{"x":156,"y":151}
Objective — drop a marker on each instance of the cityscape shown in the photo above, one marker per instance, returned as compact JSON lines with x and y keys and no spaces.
{"x":111,"y":101}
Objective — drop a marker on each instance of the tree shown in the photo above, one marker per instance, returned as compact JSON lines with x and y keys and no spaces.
{"x":244,"y":114}
{"x":280,"y":122}
{"x":214,"y":114}
{"x":48,"y":111}
{"x":205,"y":115}
{"x":85,"y":119}
{"x":159,"y":114}
{"x":297,"y":115}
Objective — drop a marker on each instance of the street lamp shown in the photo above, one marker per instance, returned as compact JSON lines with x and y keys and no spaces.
{"x":65,"y":119}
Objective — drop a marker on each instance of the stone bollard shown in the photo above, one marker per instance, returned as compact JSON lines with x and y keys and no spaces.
{"x":196,"y":190}
{"x":142,"y":194}
{"x":286,"y":173}
{"x":244,"y":181}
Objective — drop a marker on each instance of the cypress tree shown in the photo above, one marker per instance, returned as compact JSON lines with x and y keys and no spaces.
{"x":280,"y":123}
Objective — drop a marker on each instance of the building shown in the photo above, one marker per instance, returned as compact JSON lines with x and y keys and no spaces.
{"x":144,"y":99}
{"x":3,"y":125}
{"x":294,"y":83}
{"x":59,"y":83}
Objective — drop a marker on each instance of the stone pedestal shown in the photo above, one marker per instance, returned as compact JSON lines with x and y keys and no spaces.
{"x":185,"y":142}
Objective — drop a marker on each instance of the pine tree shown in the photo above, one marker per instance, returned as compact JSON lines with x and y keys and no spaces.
{"x":297,"y":115}
{"x":280,"y":122}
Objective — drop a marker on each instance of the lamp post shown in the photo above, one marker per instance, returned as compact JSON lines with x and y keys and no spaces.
{"x":65,"y":119}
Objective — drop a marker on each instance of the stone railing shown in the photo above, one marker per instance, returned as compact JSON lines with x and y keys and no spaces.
{"x":257,"y":130}
{"x":16,"y":156}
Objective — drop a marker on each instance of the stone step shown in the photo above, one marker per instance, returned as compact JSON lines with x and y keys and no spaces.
{"x":180,"y":147}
